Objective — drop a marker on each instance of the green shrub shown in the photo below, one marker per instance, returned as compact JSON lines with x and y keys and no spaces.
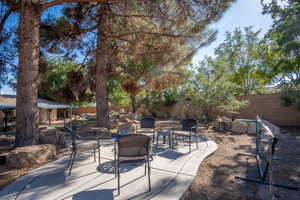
{"x":291,"y":97}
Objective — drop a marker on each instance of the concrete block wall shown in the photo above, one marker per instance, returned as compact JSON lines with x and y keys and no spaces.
{"x":270,"y":107}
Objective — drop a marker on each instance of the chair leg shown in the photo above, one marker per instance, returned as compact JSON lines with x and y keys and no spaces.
{"x":197,"y":142}
{"x":99,"y":152}
{"x":190,"y":142}
{"x":70,"y":159}
{"x":149,"y":173}
{"x":115,"y":159}
{"x":118,"y":171}
{"x":145,"y":168}
{"x":72,"y":162}
{"x":94,"y":154}
{"x":157,"y":136}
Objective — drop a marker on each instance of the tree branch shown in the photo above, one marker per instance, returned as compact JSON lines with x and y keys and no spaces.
{"x":143,"y":16}
{"x":120,"y":38}
{"x":57,"y":2}
{"x":156,"y":33}
{"x":6,"y":15}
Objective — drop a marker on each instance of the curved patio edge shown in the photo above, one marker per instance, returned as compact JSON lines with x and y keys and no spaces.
{"x":178,"y":187}
{"x":172,"y":174}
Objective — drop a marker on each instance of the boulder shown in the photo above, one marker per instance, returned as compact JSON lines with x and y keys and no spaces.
{"x":101,"y":132}
{"x":127,"y":127}
{"x":52,"y":136}
{"x":143,"y":112}
{"x":30,"y":156}
{"x":252,"y":128}
{"x":114,"y":115}
{"x":92,"y":116}
{"x":133,"y":116}
{"x":238,"y":126}
{"x":223,"y":124}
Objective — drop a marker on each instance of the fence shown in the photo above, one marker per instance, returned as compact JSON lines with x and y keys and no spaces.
{"x":270,"y":107}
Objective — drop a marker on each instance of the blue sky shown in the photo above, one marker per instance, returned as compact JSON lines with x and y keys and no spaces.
{"x":241,"y":14}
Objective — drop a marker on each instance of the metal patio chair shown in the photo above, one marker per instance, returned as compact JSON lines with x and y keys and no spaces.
{"x":147,"y":126}
{"x":83,"y":141}
{"x":188,"y":130}
{"x":133,"y":147}
{"x":104,"y":137}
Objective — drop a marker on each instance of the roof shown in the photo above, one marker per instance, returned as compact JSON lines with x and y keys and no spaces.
{"x":8,"y":101}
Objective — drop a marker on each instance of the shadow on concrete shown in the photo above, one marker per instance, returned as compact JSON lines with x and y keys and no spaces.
{"x":105,"y":194}
{"x":109,"y":166}
{"x":171,"y":155}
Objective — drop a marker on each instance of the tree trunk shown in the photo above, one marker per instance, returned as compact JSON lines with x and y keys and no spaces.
{"x":133,"y":103}
{"x":101,"y":70}
{"x":27,"y":109}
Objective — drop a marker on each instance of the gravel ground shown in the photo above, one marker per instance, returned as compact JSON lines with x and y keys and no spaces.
{"x":234,"y":157}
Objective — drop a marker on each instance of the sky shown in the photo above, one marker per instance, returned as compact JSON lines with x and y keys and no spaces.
{"x":242,"y":13}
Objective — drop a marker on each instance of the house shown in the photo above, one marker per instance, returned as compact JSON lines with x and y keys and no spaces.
{"x":47,"y":110}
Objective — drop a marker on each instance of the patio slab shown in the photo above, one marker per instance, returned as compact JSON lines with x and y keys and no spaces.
{"x":172,"y":172}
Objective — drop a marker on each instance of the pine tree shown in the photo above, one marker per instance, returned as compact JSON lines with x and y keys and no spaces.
{"x":182,"y":19}
{"x":167,"y":33}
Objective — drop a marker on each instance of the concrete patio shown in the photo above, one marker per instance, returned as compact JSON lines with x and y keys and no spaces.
{"x":172,"y":172}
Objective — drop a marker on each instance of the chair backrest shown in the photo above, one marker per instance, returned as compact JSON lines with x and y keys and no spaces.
{"x":83,"y":135}
{"x":147,"y":122}
{"x":134,"y":145}
{"x":189,"y":125}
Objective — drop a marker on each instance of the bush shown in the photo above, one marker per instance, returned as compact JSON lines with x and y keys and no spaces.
{"x":291,"y":97}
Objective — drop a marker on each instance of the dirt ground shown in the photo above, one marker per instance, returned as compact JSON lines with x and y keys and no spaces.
{"x":234,"y":157}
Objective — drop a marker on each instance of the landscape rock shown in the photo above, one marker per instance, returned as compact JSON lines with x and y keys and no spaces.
{"x":29,"y":156}
{"x":223,"y":124}
{"x":252,"y":128}
{"x":141,"y":112}
{"x":92,"y":116}
{"x":238,"y":126}
{"x":101,"y":132}
{"x":127,"y":127}
{"x":52,"y":136}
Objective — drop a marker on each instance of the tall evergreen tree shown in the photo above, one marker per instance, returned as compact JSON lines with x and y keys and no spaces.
{"x":28,"y":66}
{"x":164,"y":19}
{"x":163,"y":31}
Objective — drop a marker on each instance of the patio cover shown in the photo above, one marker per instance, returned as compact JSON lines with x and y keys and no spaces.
{"x":9,"y":102}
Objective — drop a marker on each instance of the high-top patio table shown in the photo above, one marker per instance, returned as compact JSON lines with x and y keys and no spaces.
{"x":165,"y":133}
{"x":180,"y":133}
{"x":104,"y":136}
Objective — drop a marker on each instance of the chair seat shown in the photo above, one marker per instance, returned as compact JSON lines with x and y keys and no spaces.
{"x":132,"y":158}
{"x":164,"y":133}
{"x":86,"y":144}
{"x":150,"y":130}
{"x":145,"y":131}
{"x":182,"y":133}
